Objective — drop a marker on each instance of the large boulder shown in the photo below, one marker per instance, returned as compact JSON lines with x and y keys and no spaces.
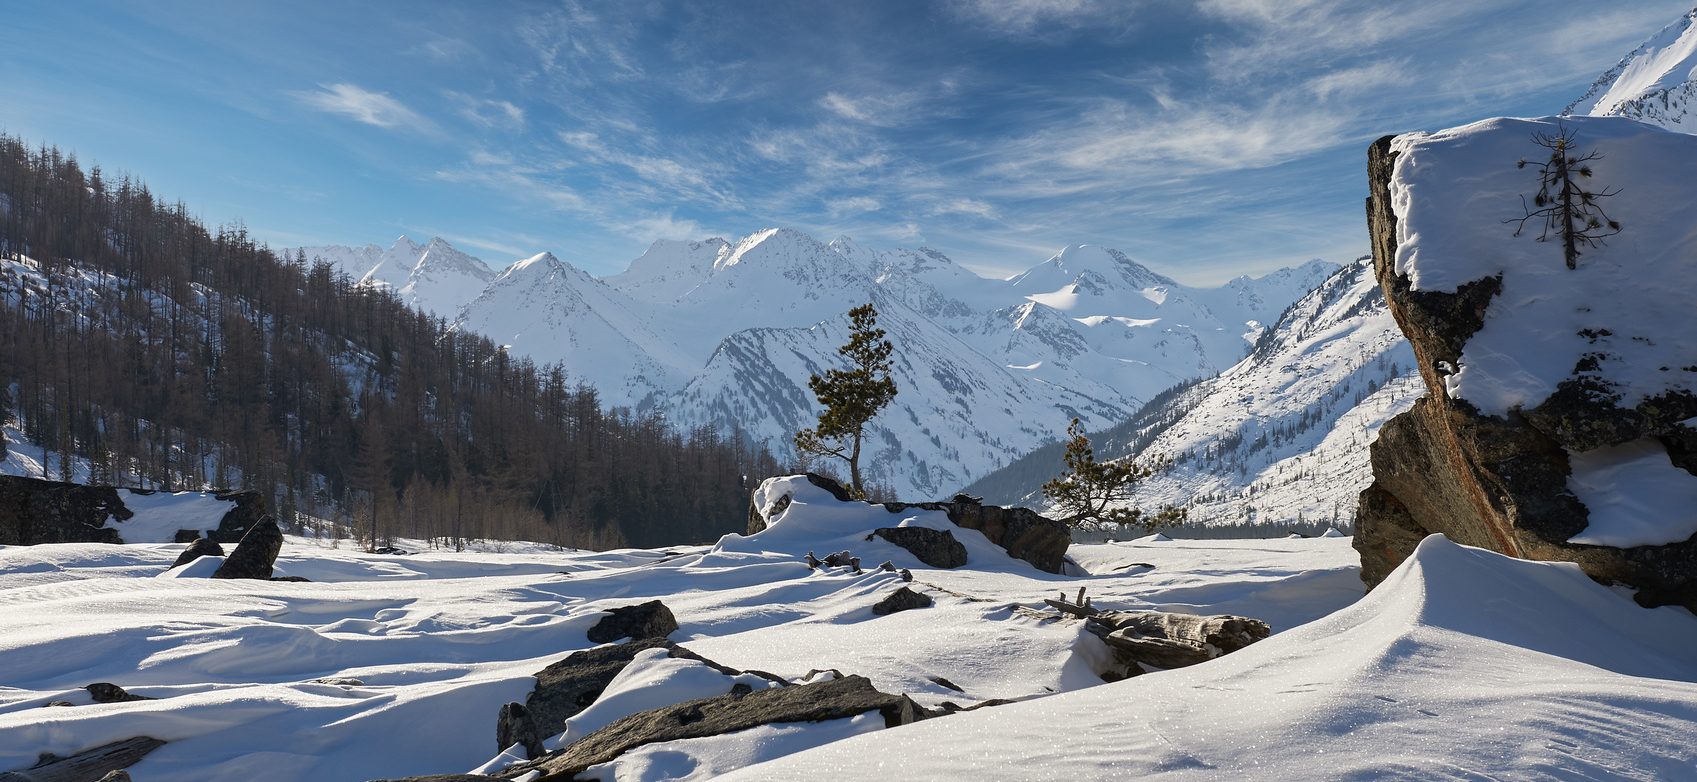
{"x":1501,"y":481}
{"x":255,"y":554}
{"x":934,"y":547}
{"x":201,"y":547}
{"x":570,"y":685}
{"x":759,"y":517}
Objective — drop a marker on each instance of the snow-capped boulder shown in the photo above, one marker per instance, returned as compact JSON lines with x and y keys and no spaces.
{"x":201,"y":547}
{"x":1561,"y":413}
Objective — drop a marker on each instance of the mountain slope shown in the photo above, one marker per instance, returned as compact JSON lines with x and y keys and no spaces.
{"x":1280,"y":436}
{"x":726,"y":334}
{"x":1654,"y":83}
{"x":433,"y":277}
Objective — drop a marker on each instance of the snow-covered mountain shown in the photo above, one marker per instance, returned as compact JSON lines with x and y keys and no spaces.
{"x":1280,"y":436}
{"x":434,"y":277}
{"x":1655,"y":83}
{"x":727,"y":333}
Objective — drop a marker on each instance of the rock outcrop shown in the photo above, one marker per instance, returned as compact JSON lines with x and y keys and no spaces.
{"x":1501,"y":482}
{"x":255,"y":554}
{"x":1022,"y":532}
{"x":903,"y":599}
{"x":934,"y":547}
{"x":99,"y":763}
{"x":35,"y":511}
{"x":829,"y":700}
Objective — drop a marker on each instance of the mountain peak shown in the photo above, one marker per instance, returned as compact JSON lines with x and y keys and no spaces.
{"x":1655,"y":83}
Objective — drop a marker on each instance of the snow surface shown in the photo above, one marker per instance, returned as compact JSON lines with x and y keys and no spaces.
{"x":652,"y":680}
{"x":1463,"y":664}
{"x":439,"y":641}
{"x":159,"y":515}
{"x":1451,"y":192}
{"x":1633,"y":495}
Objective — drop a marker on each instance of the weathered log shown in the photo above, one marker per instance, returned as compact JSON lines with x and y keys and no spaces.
{"x":92,"y":764}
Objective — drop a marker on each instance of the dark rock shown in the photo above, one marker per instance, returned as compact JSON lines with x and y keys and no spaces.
{"x":58,"y":703}
{"x":91,"y":764}
{"x":905,"y":574}
{"x":645,"y":620}
{"x":515,"y":726}
{"x":835,"y":699}
{"x":116,"y":776}
{"x":292,"y":579}
{"x":35,"y":511}
{"x":935,"y":547}
{"x":391,"y":551}
{"x":901,"y":600}
{"x":1022,"y":532}
{"x":943,"y":682}
{"x":106,"y":692}
{"x":201,"y":547}
{"x":249,"y":510}
{"x":1500,"y":483}
{"x":255,"y":554}
{"x":340,"y":681}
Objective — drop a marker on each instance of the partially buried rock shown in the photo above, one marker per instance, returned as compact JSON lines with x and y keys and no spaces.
{"x":646,"y":620}
{"x":98,"y":764}
{"x":201,"y":547}
{"x":515,"y":726}
{"x":106,"y":692}
{"x":849,"y":696}
{"x":935,"y":547}
{"x":255,"y":555}
{"x":901,"y":600}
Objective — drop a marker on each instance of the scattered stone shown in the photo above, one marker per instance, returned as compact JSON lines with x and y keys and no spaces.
{"x":515,"y":726}
{"x":201,"y":547}
{"x":646,"y":620}
{"x":901,"y":600}
{"x":292,"y":579}
{"x":106,"y":692}
{"x":935,"y":547}
{"x":91,"y":764}
{"x":887,"y":566}
{"x":942,"y":682}
{"x":392,"y":551}
{"x":905,"y":574}
{"x":340,"y":681}
{"x":255,"y":554}
{"x":58,"y":703}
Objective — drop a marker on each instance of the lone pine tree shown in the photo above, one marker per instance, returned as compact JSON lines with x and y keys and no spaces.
{"x":1563,"y":203}
{"x":851,"y":396}
{"x":1089,"y":490}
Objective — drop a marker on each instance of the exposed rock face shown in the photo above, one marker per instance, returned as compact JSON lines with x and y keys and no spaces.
{"x":255,"y":554}
{"x":99,"y":763}
{"x":36,"y":511}
{"x":107,"y":692}
{"x":1164,"y":640}
{"x":1500,"y":483}
{"x":201,"y":547}
{"x":645,"y":620}
{"x":514,"y":725}
{"x":569,"y":686}
{"x":902,"y":600}
{"x":835,"y":699}
{"x":934,"y":547}
{"x":1025,"y":534}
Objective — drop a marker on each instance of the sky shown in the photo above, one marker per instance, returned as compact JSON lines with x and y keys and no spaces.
{"x":1206,"y":139}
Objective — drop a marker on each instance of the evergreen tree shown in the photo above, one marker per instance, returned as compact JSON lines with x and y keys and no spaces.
{"x":1562,"y":202}
{"x":851,"y":396}
{"x":1088,"y":491}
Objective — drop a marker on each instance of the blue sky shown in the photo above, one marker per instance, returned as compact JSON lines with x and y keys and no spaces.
{"x":1206,"y":139}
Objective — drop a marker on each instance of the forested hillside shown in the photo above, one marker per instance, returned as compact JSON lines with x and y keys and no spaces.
{"x":163,"y":354}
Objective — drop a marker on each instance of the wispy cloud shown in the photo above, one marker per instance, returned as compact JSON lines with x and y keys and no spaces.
{"x":487,"y":112}
{"x":361,"y":105}
{"x":1028,"y":17}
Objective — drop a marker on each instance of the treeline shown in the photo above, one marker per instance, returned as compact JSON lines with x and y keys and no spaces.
{"x":164,"y":354}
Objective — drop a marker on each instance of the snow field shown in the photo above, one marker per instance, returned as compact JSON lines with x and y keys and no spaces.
{"x":437,"y":641}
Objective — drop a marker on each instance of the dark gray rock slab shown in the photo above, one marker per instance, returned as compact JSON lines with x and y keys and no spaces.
{"x":935,"y":547}
{"x":201,"y":547}
{"x":903,"y":599}
{"x":644,"y":620}
{"x":255,"y":554}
